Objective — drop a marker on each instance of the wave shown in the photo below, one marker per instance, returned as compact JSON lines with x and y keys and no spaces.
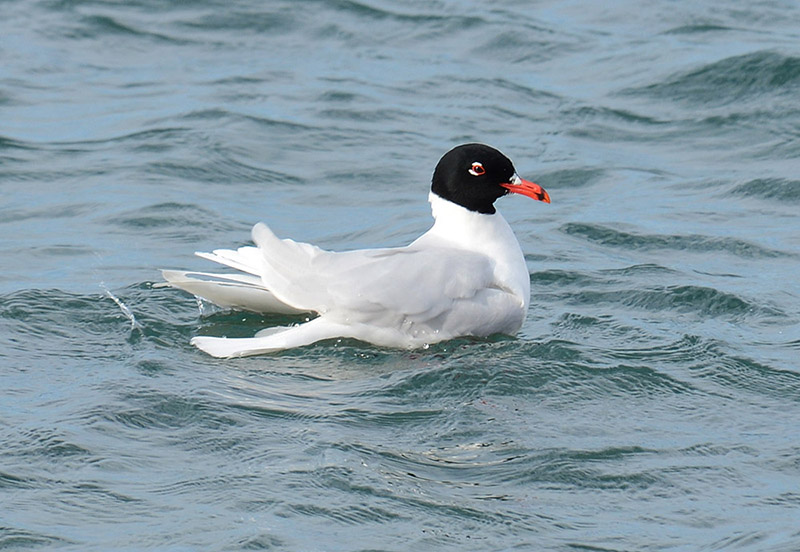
{"x":698,"y":243}
{"x":729,"y":80}
{"x":8,"y":143}
{"x":184,"y":222}
{"x":703,"y":301}
{"x":235,"y":19}
{"x":698,"y":28}
{"x":22,"y":539}
{"x":46,"y":213}
{"x":53,"y":323}
{"x":776,"y":189}
{"x":745,"y":375}
{"x":562,"y":278}
{"x":570,"y":178}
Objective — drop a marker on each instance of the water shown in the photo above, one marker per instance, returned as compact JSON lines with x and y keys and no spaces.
{"x":651,"y":400}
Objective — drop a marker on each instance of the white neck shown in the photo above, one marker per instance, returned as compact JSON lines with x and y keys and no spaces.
{"x":470,"y":229}
{"x":456,"y":226}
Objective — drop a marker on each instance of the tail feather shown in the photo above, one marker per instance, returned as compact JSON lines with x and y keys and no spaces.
{"x":247,"y":259}
{"x":236,"y":291}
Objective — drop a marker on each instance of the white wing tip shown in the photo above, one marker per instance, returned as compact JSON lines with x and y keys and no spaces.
{"x":219,"y":347}
{"x":172,"y":277}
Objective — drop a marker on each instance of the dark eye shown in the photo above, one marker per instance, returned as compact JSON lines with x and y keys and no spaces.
{"x":477,"y":169}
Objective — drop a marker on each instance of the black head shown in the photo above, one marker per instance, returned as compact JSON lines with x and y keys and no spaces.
{"x":471,"y":175}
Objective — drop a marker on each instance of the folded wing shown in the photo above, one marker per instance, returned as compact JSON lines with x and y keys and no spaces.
{"x":374,"y":285}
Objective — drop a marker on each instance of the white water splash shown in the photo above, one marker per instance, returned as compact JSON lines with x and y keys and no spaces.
{"x":123,"y":307}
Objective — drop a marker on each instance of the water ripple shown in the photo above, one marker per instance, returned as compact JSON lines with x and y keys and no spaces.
{"x":733,"y":79}
{"x":648,"y":403}
{"x":696,"y":243}
{"x":774,"y":189}
{"x":704,"y":301}
{"x":20,"y":539}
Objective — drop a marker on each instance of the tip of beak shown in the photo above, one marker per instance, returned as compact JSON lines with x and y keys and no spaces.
{"x":527,"y":188}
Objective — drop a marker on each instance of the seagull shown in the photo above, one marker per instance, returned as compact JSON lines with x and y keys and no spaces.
{"x":466,"y":276}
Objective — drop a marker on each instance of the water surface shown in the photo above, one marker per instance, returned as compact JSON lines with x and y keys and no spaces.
{"x":650,"y":402}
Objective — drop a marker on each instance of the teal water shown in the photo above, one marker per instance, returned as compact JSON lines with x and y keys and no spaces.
{"x":651,"y":400}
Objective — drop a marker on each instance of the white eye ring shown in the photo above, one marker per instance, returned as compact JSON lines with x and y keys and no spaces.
{"x":477,"y":169}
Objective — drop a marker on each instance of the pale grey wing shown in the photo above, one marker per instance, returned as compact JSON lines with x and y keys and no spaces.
{"x":416,"y":284}
{"x":287,"y":270}
{"x":353,"y":284}
{"x":423,"y":296}
{"x":237,"y":291}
